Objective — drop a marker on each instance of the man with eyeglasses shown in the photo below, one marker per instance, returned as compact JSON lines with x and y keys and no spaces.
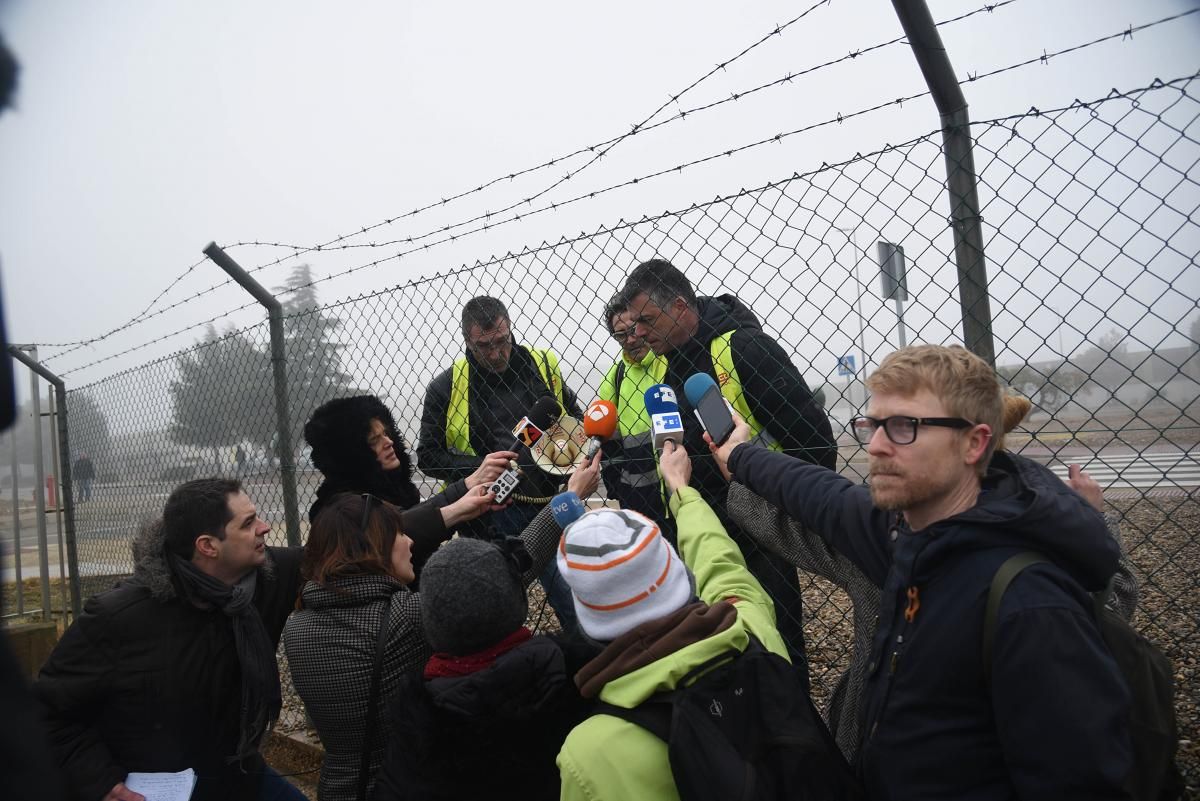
{"x":1047,"y":717}
{"x":630,"y":469}
{"x":470,"y":410}
{"x":720,"y":336}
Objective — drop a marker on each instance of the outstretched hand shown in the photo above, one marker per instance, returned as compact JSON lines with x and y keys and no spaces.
{"x":675,"y":466}
{"x":490,"y":469}
{"x":120,"y":792}
{"x":470,"y":506}
{"x":722,"y":452}
{"x":1086,"y":486}
{"x":586,"y":478}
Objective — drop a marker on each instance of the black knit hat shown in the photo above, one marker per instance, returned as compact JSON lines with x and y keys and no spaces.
{"x":471,"y":597}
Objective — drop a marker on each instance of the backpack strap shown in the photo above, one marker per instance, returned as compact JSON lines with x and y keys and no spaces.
{"x":372,"y":722}
{"x":1000,"y":581}
{"x":654,"y":715}
{"x":617,"y":379}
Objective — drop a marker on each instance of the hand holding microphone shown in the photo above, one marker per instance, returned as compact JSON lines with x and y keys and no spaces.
{"x":599,"y":424}
{"x":490,"y":469}
{"x":712,"y":410}
{"x":528,"y":431}
{"x":566,"y":508}
{"x":665,"y":421}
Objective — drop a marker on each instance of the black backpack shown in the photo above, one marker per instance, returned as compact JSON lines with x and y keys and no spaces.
{"x":1147,"y":671}
{"x":741,"y":727}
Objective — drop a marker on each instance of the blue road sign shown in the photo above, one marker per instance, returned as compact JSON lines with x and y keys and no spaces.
{"x":846,"y":365}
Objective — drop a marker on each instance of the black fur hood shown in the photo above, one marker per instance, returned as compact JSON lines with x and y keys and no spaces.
{"x":337,"y":433}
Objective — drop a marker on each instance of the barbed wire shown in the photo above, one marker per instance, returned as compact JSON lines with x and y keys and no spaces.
{"x":132,"y":321}
{"x":300,"y":250}
{"x":606,"y":145}
{"x":840,"y":118}
{"x":1075,"y":105}
{"x":683,"y":114}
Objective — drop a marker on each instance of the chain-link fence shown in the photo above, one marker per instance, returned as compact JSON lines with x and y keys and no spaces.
{"x":1091,"y":229}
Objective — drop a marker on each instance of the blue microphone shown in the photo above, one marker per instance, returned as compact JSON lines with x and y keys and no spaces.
{"x":566,"y":508}
{"x":665,"y":420}
{"x":712,"y":410}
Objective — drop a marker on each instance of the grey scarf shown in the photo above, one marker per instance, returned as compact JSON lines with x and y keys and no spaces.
{"x":261,"y":698}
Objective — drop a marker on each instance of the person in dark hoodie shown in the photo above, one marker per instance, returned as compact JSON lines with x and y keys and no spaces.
{"x":175,"y":667}
{"x":471,"y":408}
{"x":719,"y":336}
{"x":943,"y":511}
{"x":357,"y":448}
{"x":487,"y":714}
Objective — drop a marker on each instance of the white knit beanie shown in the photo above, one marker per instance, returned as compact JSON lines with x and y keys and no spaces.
{"x":622,"y":572}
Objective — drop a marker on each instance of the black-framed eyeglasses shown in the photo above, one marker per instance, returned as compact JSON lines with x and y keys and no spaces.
{"x":900,"y":429}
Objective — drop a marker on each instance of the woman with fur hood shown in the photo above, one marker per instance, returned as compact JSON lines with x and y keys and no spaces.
{"x":357,"y":448}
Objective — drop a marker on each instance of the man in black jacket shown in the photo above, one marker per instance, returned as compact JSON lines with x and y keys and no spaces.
{"x":721,"y":337}
{"x":470,"y":411}
{"x":175,"y":667}
{"x":1048,"y":717}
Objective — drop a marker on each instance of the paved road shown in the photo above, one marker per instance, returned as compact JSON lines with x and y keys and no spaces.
{"x":1156,"y":470}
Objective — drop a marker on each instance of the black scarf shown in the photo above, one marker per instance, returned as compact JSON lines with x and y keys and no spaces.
{"x":261,"y":699}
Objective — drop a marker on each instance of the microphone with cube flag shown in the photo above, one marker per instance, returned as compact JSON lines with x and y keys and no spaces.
{"x":527,"y":432}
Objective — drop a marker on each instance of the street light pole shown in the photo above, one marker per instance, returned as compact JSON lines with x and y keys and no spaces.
{"x":852,"y":235}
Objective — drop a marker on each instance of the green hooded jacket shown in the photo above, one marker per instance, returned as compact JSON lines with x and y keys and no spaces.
{"x":609,"y":759}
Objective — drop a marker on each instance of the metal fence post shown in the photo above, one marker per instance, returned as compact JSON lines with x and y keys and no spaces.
{"x":68,"y":489}
{"x":287,"y":462}
{"x":961,"y":184}
{"x":16,"y":517}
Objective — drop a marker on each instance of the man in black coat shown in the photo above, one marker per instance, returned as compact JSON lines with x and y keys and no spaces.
{"x":722,"y":338}
{"x":1048,"y":716}
{"x":470,"y":410}
{"x":175,"y":667}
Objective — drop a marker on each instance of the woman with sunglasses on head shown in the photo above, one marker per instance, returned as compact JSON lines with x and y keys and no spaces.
{"x":356,"y":447}
{"x":357,"y":629}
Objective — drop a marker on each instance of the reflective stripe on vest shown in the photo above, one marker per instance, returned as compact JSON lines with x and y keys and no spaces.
{"x":633,"y":422}
{"x":458,"y":411}
{"x":730,"y":383}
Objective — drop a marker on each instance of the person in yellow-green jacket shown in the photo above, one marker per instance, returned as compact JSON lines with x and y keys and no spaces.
{"x":721,"y":336}
{"x":702,"y":602}
{"x":630,"y":470}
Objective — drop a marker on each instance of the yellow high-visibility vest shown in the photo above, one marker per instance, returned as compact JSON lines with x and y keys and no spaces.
{"x":458,"y":414}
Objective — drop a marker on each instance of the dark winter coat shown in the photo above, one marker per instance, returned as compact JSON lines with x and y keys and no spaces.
{"x":1050,"y":724}
{"x":144,"y":681}
{"x":337,"y":433}
{"x":496,"y":402}
{"x":330,"y":645}
{"x":774,"y":389}
{"x":491,"y":735}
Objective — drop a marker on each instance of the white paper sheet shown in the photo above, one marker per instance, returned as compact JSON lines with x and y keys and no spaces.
{"x":163,"y":786}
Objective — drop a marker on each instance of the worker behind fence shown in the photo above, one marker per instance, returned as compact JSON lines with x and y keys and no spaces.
{"x":175,"y":668}
{"x":721,"y":337}
{"x":630,"y":467}
{"x":471,"y":408}
{"x":1047,"y":715}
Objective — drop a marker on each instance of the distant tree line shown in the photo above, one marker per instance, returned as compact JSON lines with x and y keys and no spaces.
{"x":224,"y":394}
